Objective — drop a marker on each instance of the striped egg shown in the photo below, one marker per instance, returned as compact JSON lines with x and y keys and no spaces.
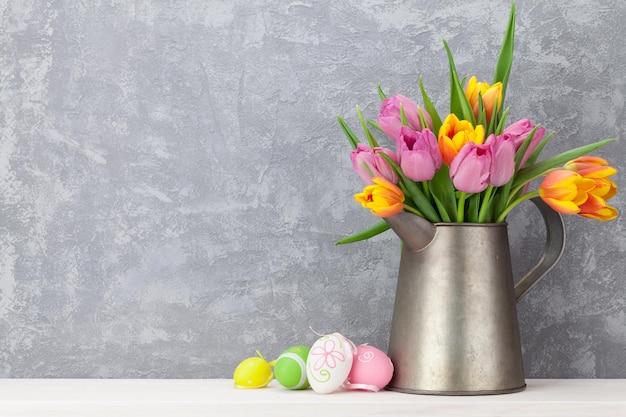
{"x":290,"y":368}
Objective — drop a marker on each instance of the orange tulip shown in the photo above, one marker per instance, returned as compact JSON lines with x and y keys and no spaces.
{"x":594,"y":166}
{"x":585,"y":161}
{"x":596,"y":208}
{"x":564,"y":191}
{"x":568,"y":192}
{"x":604,"y":214}
{"x":597,"y":170}
{"x":491,"y":94}
{"x":454,"y":134}
{"x":383,"y":198}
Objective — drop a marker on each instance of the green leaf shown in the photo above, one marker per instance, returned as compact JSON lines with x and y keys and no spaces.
{"x":442,"y":190}
{"x":423,"y":121}
{"x":501,"y":122}
{"x":459,"y":105}
{"x":482,"y":114}
{"x":442,"y":210}
{"x":352,"y":138}
{"x":430,"y":108}
{"x":529,"y":173}
{"x":414,"y":193}
{"x":372,"y":231}
{"x":486,"y":205}
{"x":420,"y":200}
{"x":381,"y":94}
{"x":535,"y":154}
{"x":405,"y":191}
{"x":370,"y":138}
{"x":472,"y":211}
{"x":374,"y":125}
{"x":519,"y":155}
{"x":502,"y":196}
{"x":495,"y":202}
{"x":505,"y":59}
{"x":494,"y":117}
{"x":403,"y":119}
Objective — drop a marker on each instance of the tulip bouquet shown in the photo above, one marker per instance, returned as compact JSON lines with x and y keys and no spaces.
{"x":473,"y":166}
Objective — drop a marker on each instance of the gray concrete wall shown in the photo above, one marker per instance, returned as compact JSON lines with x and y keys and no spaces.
{"x":172,"y":179}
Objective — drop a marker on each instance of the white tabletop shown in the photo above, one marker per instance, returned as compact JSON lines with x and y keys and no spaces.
{"x":215,"y":397}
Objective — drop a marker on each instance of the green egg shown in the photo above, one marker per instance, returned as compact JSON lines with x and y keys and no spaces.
{"x":290,"y":368}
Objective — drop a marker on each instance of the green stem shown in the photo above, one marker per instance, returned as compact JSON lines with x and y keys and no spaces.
{"x":460,"y":209}
{"x":413,"y":210}
{"x":512,"y":205}
{"x":521,"y":186}
{"x":482,"y":213}
{"x":426,"y":189}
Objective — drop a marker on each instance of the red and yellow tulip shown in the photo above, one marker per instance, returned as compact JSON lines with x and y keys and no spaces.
{"x":581,"y":188}
{"x":565,"y":191}
{"x":383,"y":198}
{"x":596,"y":169}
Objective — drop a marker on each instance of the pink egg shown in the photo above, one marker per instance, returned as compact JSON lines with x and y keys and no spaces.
{"x":371,"y":369}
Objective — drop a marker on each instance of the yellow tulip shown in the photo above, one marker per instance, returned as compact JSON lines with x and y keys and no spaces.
{"x":454,"y":134}
{"x":383,"y":198}
{"x":491,"y":94}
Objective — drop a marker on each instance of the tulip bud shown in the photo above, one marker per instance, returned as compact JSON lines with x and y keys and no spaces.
{"x":367,"y":163}
{"x":503,"y":160}
{"x":390,"y":118}
{"x":418,"y":154}
{"x":383,"y":198}
{"x":470,"y":169}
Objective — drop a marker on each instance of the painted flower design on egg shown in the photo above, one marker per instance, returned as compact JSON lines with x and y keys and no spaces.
{"x":327,"y":355}
{"x":329,"y":363}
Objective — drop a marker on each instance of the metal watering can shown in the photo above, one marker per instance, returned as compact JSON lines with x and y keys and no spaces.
{"x":454,"y":329}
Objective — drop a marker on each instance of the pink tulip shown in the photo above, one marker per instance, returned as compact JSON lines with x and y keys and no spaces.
{"x":418,"y":153}
{"x":390,"y":120}
{"x":534,"y":142}
{"x":518,"y":132}
{"x":367,"y":163}
{"x":471,"y":167}
{"x":503,"y":159}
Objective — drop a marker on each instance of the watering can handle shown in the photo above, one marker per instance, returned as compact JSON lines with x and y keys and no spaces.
{"x":555,"y":243}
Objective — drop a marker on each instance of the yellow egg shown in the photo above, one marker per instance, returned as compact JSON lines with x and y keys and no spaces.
{"x":253,"y":372}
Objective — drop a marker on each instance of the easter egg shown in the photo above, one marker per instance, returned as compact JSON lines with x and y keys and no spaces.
{"x":371,"y":369}
{"x":290,"y":368}
{"x":254,"y":372}
{"x":329,"y":363}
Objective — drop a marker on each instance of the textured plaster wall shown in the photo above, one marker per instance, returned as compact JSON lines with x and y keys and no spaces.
{"x":172,"y":179}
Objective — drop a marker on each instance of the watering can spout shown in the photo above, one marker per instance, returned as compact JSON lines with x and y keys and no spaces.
{"x":416,"y":232}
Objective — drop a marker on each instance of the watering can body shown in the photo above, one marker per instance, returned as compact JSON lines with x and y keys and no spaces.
{"x":455,"y":328}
